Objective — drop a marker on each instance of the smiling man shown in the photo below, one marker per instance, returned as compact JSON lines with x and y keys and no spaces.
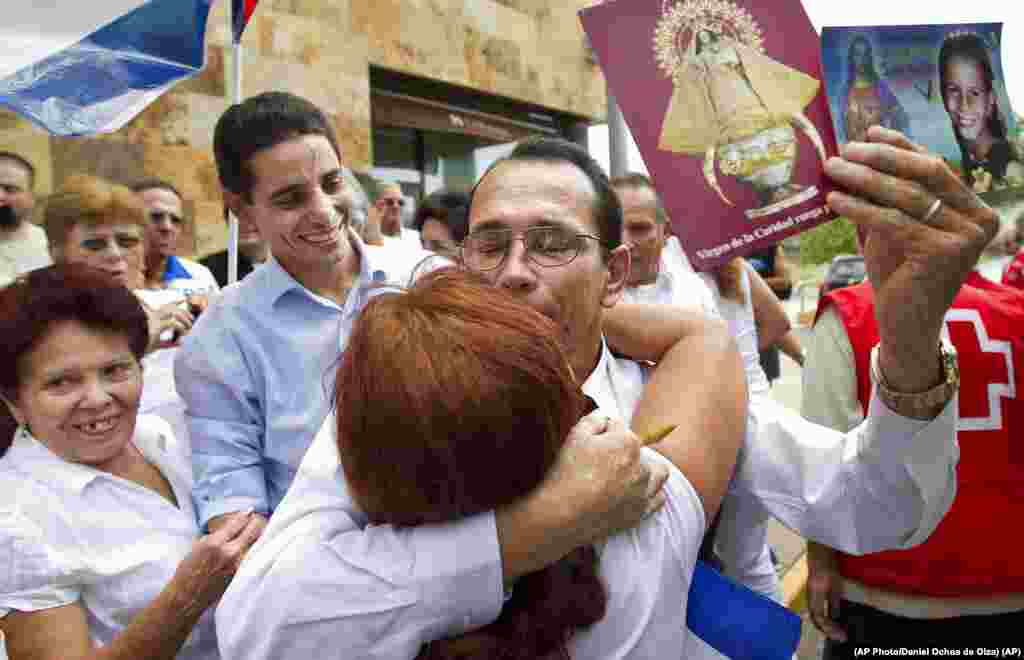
{"x":254,"y":371}
{"x":257,"y":373}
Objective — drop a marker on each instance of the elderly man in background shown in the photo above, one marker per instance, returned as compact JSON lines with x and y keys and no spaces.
{"x":390,"y":205}
{"x":165,"y":270}
{"x":23,"y":245}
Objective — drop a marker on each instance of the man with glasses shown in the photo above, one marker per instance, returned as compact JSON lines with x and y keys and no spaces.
{"x":166,"y":221}
{"x":256,"y":373}
{"x":538,"y":217}
{"x":390,"y":206}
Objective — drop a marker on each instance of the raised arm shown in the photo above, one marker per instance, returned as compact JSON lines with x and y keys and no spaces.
{"x":769,"y":314}
{"x":699,"y":386}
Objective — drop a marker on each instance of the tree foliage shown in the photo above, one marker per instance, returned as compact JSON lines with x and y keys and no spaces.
{"x":825,"y":241}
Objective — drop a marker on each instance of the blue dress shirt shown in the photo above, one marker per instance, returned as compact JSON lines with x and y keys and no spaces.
{"x":257,"y":376}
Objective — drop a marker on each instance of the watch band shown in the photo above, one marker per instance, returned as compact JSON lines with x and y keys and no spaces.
{"x":919,"y":405}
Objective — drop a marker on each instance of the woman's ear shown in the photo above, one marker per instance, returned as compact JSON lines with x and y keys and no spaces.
{"x":16,"y":412}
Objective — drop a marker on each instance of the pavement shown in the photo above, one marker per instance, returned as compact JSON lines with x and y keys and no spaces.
{"x":790,"y":547}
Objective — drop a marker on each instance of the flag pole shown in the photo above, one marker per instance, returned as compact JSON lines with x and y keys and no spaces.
{"x":236,"y":97}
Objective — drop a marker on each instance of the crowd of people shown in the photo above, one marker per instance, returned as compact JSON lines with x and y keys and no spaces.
{"x":514,"y":429}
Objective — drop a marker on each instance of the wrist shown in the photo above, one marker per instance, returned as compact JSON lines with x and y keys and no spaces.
{"x":925,"y":401}
{"x":531,"y":536}
{"x":910,"y":369}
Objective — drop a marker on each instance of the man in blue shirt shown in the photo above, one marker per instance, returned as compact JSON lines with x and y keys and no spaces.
{"x":257,"y":370}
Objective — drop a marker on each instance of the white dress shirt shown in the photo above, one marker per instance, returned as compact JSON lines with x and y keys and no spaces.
{"x":24,"y":250}
{"x":675,"y":285}
{"x":190,"y":277}
{"x":301,"y":590}
{"x":70,"y":533}
{"x":821,"y":483}
{"x":742,"y":538}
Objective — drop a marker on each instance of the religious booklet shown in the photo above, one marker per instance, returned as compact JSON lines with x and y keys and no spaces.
{"x":942,"y":85}
{"x":725,"y":101}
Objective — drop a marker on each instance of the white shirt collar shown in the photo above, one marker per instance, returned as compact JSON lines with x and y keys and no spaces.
{"x":28,"y":451}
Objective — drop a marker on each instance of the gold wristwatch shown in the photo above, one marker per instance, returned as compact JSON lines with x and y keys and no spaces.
{"x":919,"y":405}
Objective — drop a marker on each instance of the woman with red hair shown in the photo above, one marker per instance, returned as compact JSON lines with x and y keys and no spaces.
{"x":454,"y":398}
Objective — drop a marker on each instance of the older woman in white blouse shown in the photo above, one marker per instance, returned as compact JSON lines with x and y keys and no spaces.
{"x":101,"y":554}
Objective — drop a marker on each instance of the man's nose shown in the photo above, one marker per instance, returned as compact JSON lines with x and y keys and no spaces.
{"x":517,"y":273}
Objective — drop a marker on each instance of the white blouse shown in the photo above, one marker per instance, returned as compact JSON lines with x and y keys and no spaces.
{"x":296,"y":596}
{"x":71,"y":533}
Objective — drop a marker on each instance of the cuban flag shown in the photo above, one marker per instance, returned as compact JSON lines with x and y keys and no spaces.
{"x":78,"y":67}
{"x":241,"y":12}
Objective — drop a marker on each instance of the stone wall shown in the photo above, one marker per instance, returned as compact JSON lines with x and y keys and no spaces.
{"x":529,"y":50}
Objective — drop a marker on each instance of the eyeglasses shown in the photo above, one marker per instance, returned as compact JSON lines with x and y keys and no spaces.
{"x":439,"y":246}
{"x":392,"y":201}
{"x":547,"y":247}
{"x":156,"y":217}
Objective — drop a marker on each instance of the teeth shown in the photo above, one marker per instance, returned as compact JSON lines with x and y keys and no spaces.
{"x":319,"y":238}
{"x":99,"y":427}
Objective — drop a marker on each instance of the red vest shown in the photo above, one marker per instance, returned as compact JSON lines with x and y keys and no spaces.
{"x":1014,"y":275}
{"x":978,"y":548}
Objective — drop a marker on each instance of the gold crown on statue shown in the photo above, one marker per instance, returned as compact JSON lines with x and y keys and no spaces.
{"x":680,"y":22}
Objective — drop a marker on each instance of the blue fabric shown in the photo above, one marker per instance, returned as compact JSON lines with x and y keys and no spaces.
{"x":739,"y":623}
{"x":257,"y":376}
{"x":81,"y":89}
{"x":175,"y":270}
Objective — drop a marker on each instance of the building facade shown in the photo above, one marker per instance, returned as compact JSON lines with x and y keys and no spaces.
{"x":422,"y":92}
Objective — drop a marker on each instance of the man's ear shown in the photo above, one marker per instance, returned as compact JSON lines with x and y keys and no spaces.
{"x":618,"y":266}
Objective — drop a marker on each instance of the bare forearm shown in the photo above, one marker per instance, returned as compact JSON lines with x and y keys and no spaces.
{"x":790,"y":345}
{"x":158,"y":631}
{"x":647,"y":332}
{"x":700,"y":387}
{"x":769,"y":314}
{"x":528,"y":541}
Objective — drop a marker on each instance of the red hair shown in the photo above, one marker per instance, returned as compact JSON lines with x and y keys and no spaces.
{"x":454,"y":398}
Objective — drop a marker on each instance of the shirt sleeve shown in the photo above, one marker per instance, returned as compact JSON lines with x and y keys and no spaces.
{"x":884,"y":485}
{"x":320,"y":582}
{"x":224,"y":419}
{"x":742,"y":544}
{"x":33,"y":575}
{"x":830,"y":376}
